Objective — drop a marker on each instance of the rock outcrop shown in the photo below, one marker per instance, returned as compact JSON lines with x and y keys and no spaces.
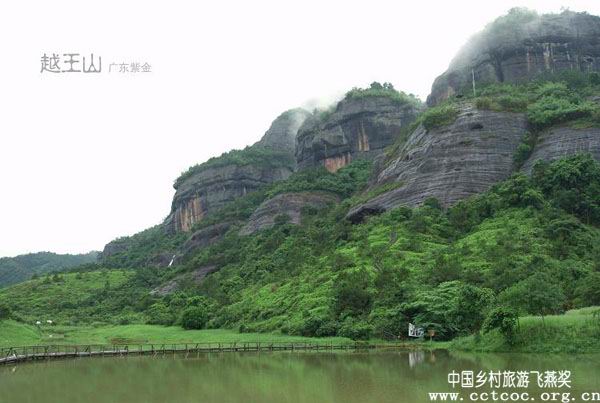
{"x":282,"y":133}
{"x":357,"y":128}
{"x":560,"y":142}
{"x":207,"y":187}
{"x":519,"y":46}
{"x":210,"y":189}
{"x":114,"y":247}
{"x":205,"y":237}
{"x":287,"y":204}
{"x":449,"y":163}
{"x":196,"y":277}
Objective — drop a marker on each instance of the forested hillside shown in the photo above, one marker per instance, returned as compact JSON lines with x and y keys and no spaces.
{"x":460,"y":217}
{"x":20,"y":268}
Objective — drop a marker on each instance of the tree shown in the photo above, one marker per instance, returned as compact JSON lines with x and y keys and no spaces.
{"x":160,"y":314}
{"x":5,"y":311}
{"x":194,"y":317}
{"x":452,"y":308}
{"x":589,"y":290}
{"x":573,"y":183}
{"x":537,"y":295}
{"x":505,"y":320}
{"x":352,"y":293}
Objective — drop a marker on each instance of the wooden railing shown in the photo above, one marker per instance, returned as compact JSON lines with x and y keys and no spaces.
{"x":25,"y":353}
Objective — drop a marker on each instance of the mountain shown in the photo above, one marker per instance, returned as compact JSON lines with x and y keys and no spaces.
{"x":358,"y":127}
{"x":20,"y":268}
{"x":205,"y":188}
{"x":387,"y":211}
{"x":468,"y":143}
{"x":519,"y":47}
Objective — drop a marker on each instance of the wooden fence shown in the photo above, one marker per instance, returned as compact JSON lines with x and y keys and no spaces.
{"x":26,"y":353}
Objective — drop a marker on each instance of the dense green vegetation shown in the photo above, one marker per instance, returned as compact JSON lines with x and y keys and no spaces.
{"x":14,"y":334}
{"x":144,"y":248}
{"x":20,"y":268}
{"x":438,"y":116}
{"x":577,"y":331}
{"x":529,"y":246}
{"x":254,"y":155}
{"x":551,"y":99}
{"x":343,"y":183}
{"x":494,"y":272}
{"x":72,"y":298}
{"x":383,"y":90}
{"x":328,"y":277}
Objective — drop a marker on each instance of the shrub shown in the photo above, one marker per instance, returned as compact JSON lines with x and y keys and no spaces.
{"x":258,"y":156}
{"x":5,"y":311}
{"x":160,"y":314}
{"x":538,"y":294}
{"x":194,"y":317}
{"x":355,"y":329}
{"x":589,"y":289}
{"x":511,"y":103}
{"x":383,"y":90}
{"x":388,"y":323}
{"x":524,"y":150}
{"x":505,"y":320}
{"x":551,"y":110}
{"x":439,"y":116}
{"x":352,"y":294}
{"x":483,"y":103}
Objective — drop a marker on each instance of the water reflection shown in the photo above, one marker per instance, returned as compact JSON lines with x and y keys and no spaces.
{"x":376,"y":376}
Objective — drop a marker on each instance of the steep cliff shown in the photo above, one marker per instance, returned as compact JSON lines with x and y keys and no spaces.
{"x":359,"y":127}
{"x":207,"y":187}
{"x":520,"y":46}
{"x":282,"y":133}
{"x":450,"y":162}
{"x":560,"y":142}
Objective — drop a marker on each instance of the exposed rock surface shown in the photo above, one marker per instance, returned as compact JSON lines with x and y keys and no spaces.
{"x":451,"y":162}
{"x":212,"y":185}
{"x":212,"y":188}
{"x":205,"y":237}
{"x":282,"y":133}
{"x":358,"y":128}
{"x":506,"y":52}
{"x":196,"y":276}
{"x":113,"y":247}
{"x":560,"y":142}
{"x":289,"y":204}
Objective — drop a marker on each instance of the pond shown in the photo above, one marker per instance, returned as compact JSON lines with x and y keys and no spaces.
{"x":311,"y":377}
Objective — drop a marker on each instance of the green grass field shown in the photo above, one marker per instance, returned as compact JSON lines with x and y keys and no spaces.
{"x":14,"y":334}
{"x":577,"y":331}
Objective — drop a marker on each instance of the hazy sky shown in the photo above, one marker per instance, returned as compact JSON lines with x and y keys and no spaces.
{"x":86,"y":158}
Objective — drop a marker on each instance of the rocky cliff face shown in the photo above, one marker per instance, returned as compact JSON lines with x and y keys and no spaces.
{"x":205,"y":237}
{"x":209,"y":186}
{"x":118,"y":245}
{"x":519,"y":46}
{"x":449,"y":163}
{"x":282,"y":133}
{"x":288,"y":204}
{"x":209,"y":190}
{"x":357,"y":128}
{"x":560,"y":142}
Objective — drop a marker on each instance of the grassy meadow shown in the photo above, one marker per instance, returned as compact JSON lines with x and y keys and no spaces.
{"x":577,"y":331}
{"x":14,"y":334}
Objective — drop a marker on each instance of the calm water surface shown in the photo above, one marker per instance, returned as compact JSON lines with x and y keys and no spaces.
{"x":358,"y":377}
